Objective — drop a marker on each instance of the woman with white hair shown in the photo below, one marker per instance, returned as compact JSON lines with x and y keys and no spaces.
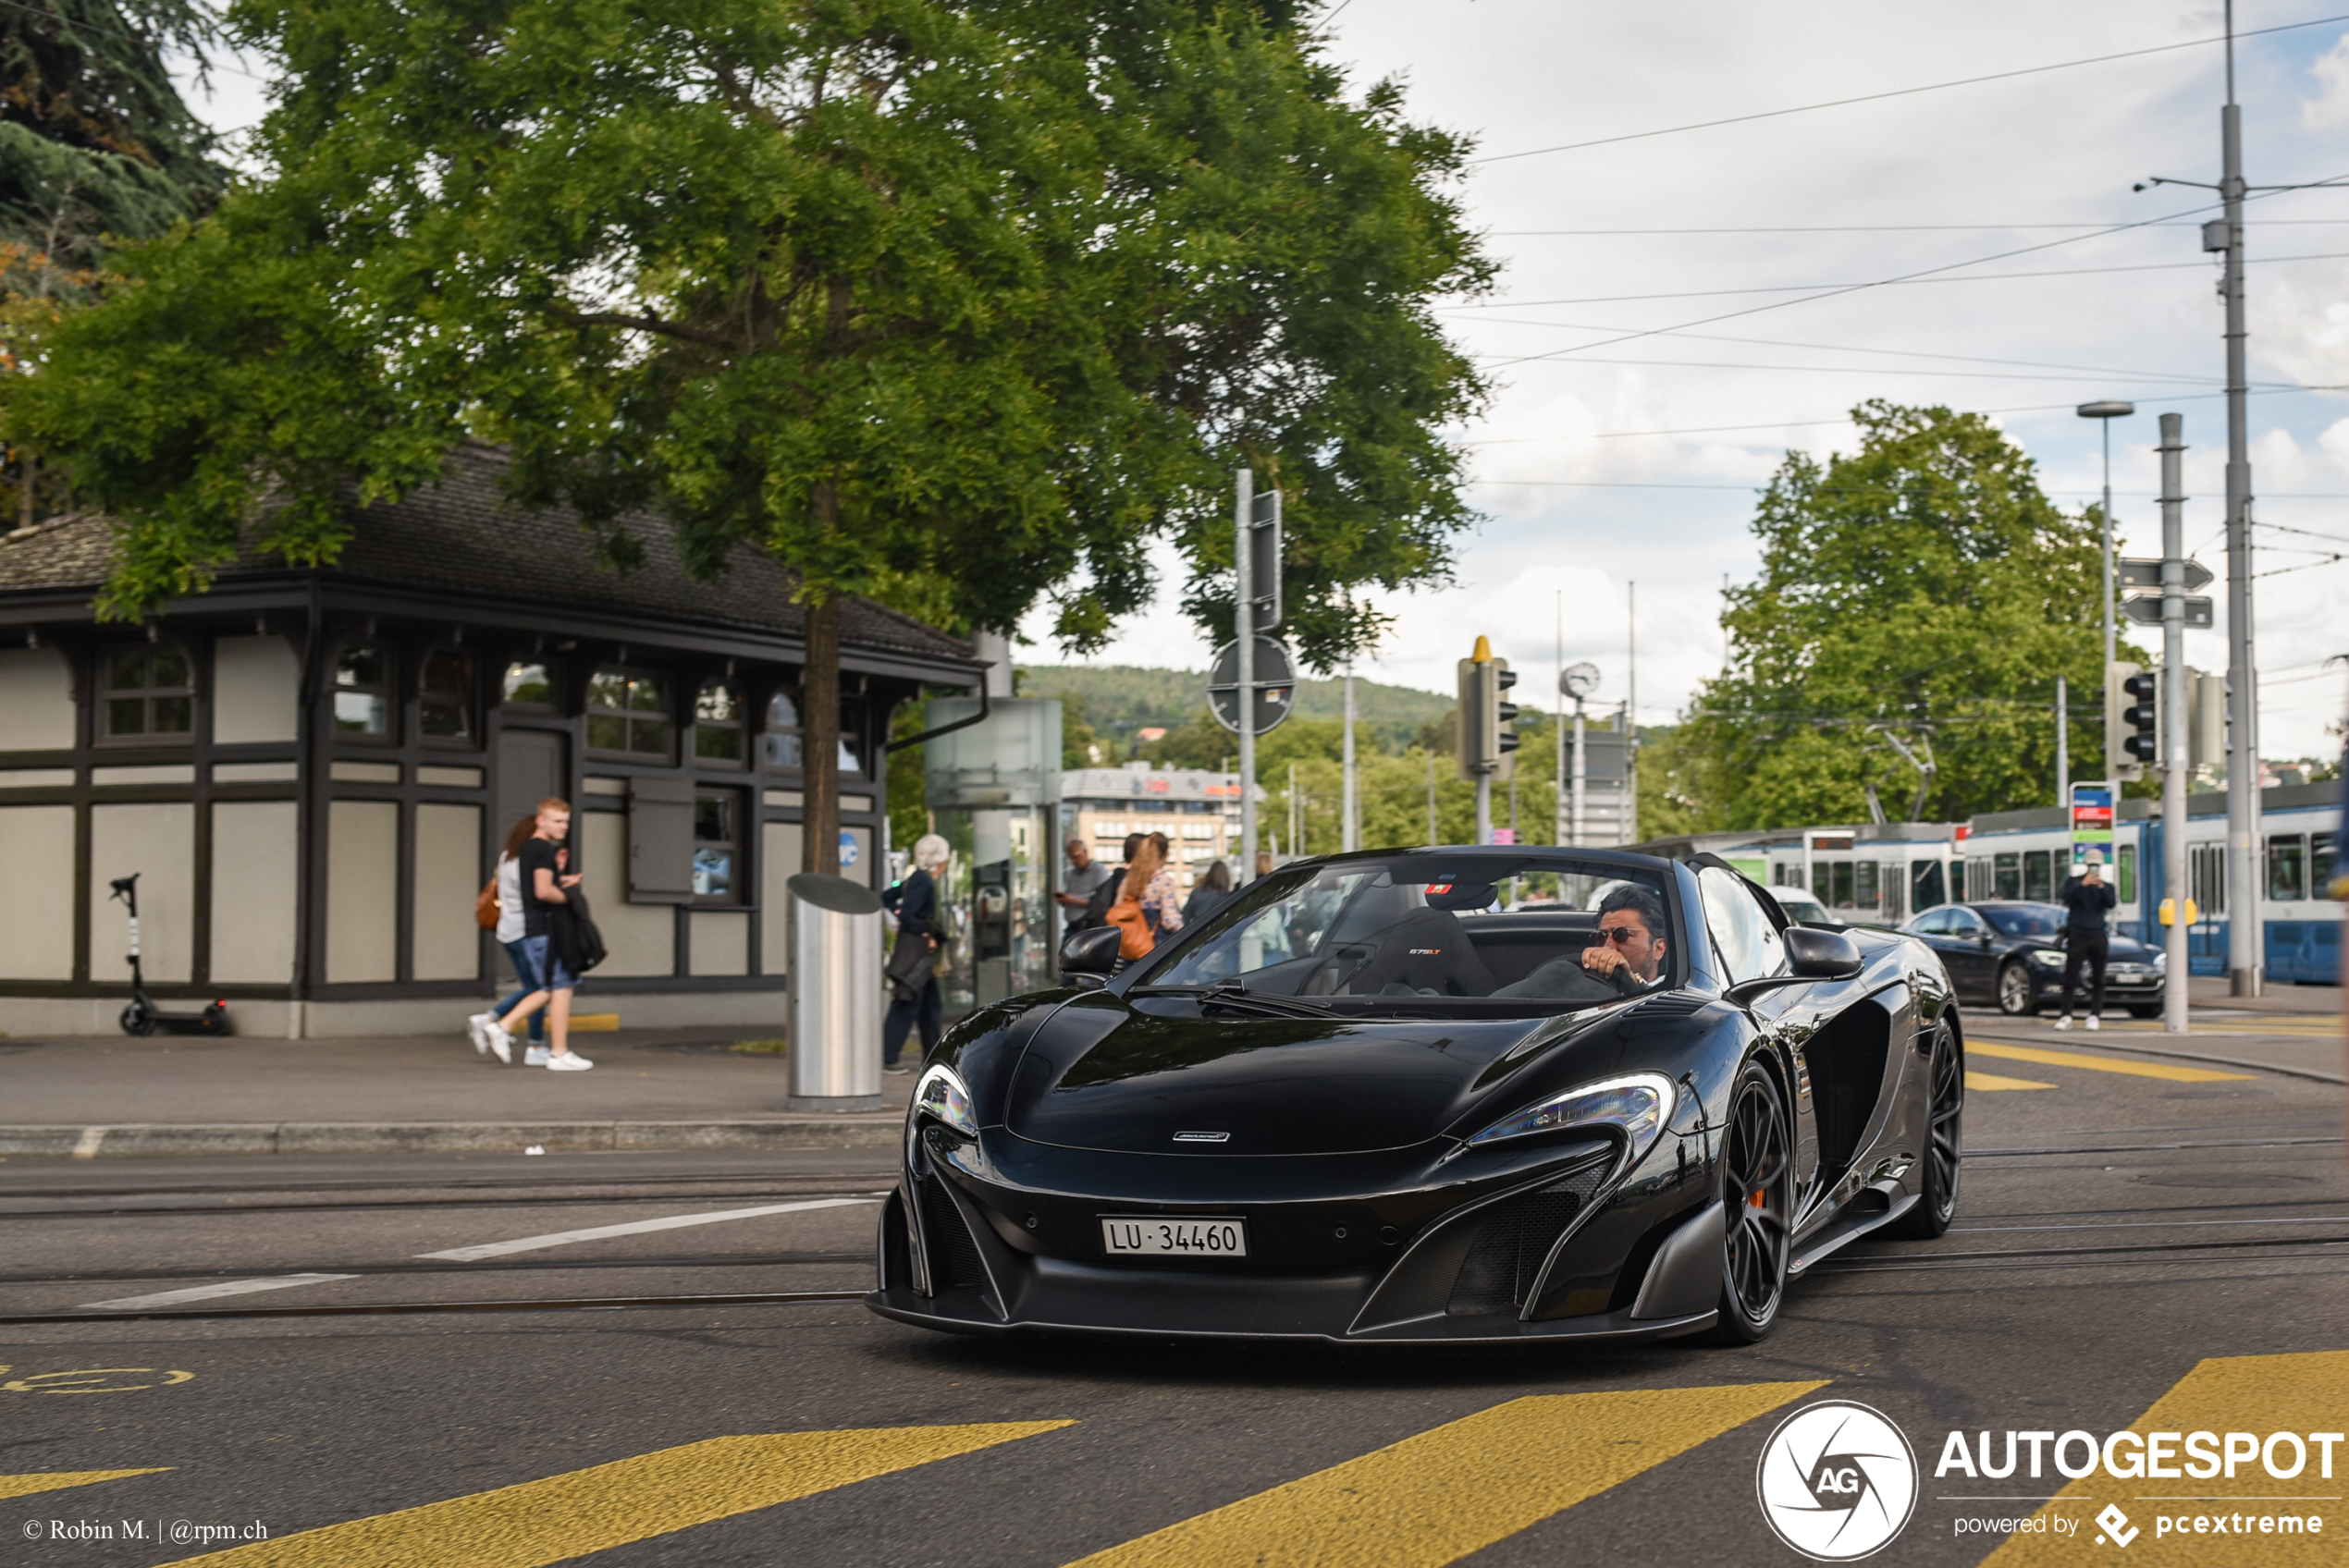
{"x":914,"y":903}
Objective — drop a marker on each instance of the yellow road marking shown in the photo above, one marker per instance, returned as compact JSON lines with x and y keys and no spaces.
{"x":1992,"y":1081}
{"x":1436,"y":1497}
{"x":2100,"y":1063}
{"x":57,"y":1480}
{"x":630,"y":1500}
{"x":2243,"y":1394}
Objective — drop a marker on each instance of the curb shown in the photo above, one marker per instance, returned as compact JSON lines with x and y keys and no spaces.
{"x":815,"y":1132}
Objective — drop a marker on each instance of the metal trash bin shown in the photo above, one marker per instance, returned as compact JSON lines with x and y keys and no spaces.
{"x":835,"y":990}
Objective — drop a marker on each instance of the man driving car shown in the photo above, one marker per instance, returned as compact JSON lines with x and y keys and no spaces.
{"x":1631,"y":947}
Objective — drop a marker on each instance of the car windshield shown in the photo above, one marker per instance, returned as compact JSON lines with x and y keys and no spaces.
{"x":2024,"y":920}
{"x":1366,"y":931}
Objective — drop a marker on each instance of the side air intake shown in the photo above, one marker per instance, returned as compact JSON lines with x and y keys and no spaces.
{"x":1513,"y":1239}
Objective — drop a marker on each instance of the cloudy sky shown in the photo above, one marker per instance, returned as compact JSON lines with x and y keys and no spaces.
{"x":1599,"y":467}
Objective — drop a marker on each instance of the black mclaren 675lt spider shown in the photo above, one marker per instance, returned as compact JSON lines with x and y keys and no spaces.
{"x":1434,"y":1095}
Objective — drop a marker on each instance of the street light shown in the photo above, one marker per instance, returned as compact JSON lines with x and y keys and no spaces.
{"x":2105,"y":413}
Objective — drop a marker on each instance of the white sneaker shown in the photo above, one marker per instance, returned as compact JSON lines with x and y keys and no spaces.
{"x":2065,"y":1021}
{"x":499,"y":1041}
{"x":569,"y":1061}
{"x":535,"y":1057}
{"x":477,"y":1026}
{"x":2094,"y":1022}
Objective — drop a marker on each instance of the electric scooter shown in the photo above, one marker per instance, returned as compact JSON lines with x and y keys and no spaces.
{"x":142,"y":1017}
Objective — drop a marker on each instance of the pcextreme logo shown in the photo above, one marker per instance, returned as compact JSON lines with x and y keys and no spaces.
{"x":1836,"y":1481}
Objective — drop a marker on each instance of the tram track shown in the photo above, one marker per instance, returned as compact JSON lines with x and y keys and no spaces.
{"x":426,"y":1266}
{"x":391,"y":1309}
{"x":551,"y":1201}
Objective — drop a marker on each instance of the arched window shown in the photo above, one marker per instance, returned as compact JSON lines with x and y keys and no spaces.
{"x":445,"y":696}
{"x":527,"y":684}
{"x":719,"y":723}
{"x":146,"y":694}
{"x":628,"y":713}
{"x":362,"y":691}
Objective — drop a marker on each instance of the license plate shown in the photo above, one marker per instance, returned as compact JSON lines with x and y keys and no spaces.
{"x":1174,"y":1238}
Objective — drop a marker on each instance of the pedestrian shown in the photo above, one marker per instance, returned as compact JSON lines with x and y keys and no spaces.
{"x":1082,"y":880}
{"x":1214,"y":889}
{"x":2086,"y":897}
{"x":1097,"y":907}
{"x":544,"y":879}
{"x":507,"y":880}
{"x":1161,"y":899}
{"x":1263,"y":862}
{"x":914,"y":903}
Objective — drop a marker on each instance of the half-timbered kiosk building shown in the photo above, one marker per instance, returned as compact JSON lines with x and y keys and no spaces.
{"x":311,"y":770}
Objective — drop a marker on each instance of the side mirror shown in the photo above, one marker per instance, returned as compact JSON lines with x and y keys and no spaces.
{"x":1811,"y":954}
{"x":1091,"y":952}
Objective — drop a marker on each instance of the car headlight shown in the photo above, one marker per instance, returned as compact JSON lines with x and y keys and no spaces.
{"x":942,"y":1095}
{"x":1635,"y":1104}
{"x":2160,"y":962}
{"x":2046,"y":957}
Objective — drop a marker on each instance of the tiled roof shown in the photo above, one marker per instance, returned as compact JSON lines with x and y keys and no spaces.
{"x":462,"y":536}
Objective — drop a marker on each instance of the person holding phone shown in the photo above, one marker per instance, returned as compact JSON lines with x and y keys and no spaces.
{"x":2085,"y":897}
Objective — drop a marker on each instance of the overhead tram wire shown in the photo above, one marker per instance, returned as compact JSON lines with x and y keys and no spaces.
{"x":1896,"y":92}
{"x":1835,"y":293}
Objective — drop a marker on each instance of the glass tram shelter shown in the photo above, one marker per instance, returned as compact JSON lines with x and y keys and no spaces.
{"x":994,"y":789}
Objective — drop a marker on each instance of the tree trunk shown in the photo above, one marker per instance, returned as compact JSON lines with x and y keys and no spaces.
{"x":820,"y":728}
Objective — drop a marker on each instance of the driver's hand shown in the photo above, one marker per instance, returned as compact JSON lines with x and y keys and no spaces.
{"x":1603,"y":959}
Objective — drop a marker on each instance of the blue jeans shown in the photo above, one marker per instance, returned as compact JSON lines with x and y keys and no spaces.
{"x":552,"y":975}
{"x":526,"y":970}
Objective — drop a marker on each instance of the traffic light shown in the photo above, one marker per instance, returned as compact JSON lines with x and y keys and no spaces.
{"x":1488,"y":726}
{"x":2119,"y":762}
{"x":2141,"y":718}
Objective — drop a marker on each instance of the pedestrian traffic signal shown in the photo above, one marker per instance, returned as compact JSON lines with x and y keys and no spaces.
{"x":2143,"y":718}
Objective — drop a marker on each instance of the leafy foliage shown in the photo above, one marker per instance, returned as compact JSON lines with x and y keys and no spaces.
{"x":1922,"y":587}
{"x":950,"y":306}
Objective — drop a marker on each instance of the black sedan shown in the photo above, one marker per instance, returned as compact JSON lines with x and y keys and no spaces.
{"x":1434,"y":1095}
{"x":2008,"y":954}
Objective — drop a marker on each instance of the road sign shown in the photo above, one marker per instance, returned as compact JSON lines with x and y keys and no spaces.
{"x":2145,"y":571}
{"x":1276,"y":684}
{"x":2146,"y":610}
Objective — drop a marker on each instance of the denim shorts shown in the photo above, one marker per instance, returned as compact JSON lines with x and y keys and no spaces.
{"x":549,"y":970}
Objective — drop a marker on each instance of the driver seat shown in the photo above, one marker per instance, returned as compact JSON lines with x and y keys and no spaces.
{"x":1426,"y":951}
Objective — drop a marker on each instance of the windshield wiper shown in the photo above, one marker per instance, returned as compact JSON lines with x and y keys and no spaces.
{"x":1232,"y":996}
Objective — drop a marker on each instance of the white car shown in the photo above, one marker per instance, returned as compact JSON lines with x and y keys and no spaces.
{"x":1802,"y":909}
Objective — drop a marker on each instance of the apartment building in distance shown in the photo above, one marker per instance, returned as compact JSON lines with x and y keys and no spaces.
{"x":1198,"y":811}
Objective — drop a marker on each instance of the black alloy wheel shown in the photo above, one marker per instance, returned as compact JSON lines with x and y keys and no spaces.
{"x":2018,"y":992}
{"x":1757,"y":1190}
{"x":1945,"y":1142}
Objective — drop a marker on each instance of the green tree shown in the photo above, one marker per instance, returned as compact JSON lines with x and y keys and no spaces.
{"x":94,"y":141}
{"x":952,"y":307}
{"x":1922,"y":588}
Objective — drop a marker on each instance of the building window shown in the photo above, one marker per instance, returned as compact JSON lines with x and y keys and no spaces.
{"x":445,"y":696}
{"x":852,"y":740}
{"x":779,"y":743}
{"x":628,"y":713}
{"x":527,"y":684}
{"x":147,"y":695}
{"x":717,"y":725}
{"x":2287,"y":867}
{"x":716,"y":845}
{"x":362,"y":691}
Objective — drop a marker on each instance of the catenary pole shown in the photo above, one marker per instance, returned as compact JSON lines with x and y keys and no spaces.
{"x":2063,"y":750}
{"x":2174,"y":755}
{"x":1243,"y":628}
{"x":2245,"y":930}
{"x":1351,"y":828}
{"x":1631,"y":825}
{"x":1558,"y":826}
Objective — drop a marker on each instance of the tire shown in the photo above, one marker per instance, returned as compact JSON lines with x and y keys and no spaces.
{"x":1944,"y":1143}
{"x":1757,"y":1147}
{"x":2018,"y":992}
{"x":138,"y":1018}
{"x":2144,"y":1010}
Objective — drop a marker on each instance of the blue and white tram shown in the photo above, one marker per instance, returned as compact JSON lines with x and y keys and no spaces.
{"x":2023,"y":855}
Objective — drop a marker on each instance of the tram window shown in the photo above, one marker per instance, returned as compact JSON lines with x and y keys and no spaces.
{"x":2038,"y":875}
{"x":2206,"y":878}
{"x":2319,"y":864}
{"x":2007,"y":875}
{"x":2127,"y":889}
{"x":2288,"y":867}
{"x":1863,"y":884}
{"x":1925,"y":890}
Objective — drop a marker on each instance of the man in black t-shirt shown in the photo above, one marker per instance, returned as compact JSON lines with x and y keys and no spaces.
{"x":2085,"y":897}
{"x":544,"y":863}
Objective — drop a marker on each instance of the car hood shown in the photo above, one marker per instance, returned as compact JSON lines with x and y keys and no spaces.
{"x":1102,"y":1075}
